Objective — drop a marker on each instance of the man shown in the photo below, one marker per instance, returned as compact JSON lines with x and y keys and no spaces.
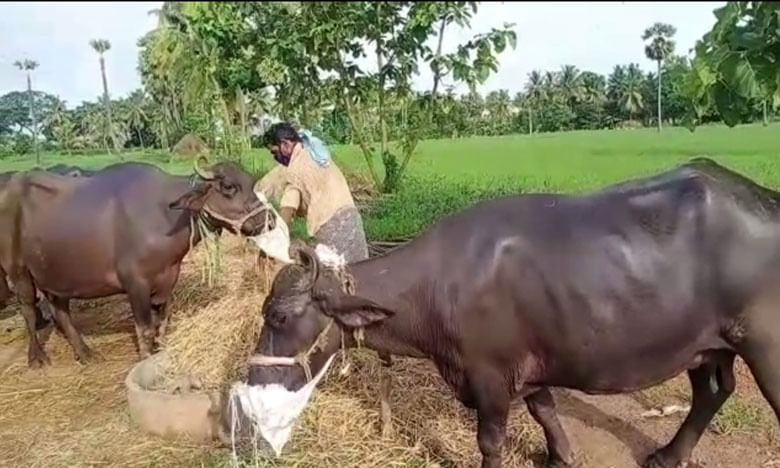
{"x":309,"y":185}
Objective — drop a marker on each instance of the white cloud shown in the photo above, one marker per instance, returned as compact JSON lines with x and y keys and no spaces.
{"x":593,"y":36}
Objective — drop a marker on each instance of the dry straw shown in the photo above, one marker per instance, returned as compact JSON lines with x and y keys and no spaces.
{"x":214,"y":328}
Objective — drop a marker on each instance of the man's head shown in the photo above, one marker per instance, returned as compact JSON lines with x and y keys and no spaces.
{"x":280,"y":140}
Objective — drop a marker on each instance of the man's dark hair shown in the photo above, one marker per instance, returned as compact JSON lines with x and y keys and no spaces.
{"x":280,"y":131}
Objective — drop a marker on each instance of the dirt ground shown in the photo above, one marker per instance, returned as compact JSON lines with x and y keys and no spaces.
{"x":69,"y":415}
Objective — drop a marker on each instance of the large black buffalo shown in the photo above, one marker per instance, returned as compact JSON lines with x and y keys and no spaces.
{"x":123,"y":229}
{"x":609,"y":292}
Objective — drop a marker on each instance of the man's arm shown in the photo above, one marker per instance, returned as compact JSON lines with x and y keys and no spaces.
{"x":290,"y":202}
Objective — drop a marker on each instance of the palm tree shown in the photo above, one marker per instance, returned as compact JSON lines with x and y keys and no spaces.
{"x":535,"y":94}
{"x":660,"y":47}
{"x":102,"y":46}
{"x":61,"y":126}
{"x":593,"y":86}
{"x":135,"y":115}
{"x":631,"y":98}
{"x":498,"y":103}
{"x":570,"y":82}
{"x":28,"y":66}
{"x":625,"y":88}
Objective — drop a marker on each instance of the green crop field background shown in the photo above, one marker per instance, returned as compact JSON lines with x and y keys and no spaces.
{"x":446,"y":175}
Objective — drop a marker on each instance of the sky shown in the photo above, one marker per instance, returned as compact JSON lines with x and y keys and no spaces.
{"x":593,"y":36}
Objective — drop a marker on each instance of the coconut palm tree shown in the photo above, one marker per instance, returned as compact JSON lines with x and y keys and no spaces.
{"x":135,"y":114}
{"x":625,"y":88}
{"x":61,"y":126}
{"x":534,"y":89}
{"x":570,"y":82}
{"x":660,"y":47}
{"x":593,"y":86}
{"x":498,"y":104}
{"x":631,"y":99}
{"x":102,"y":46}
{"x":28,"y":66}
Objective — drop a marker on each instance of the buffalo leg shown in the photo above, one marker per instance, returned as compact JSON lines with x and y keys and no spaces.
{"x":492,"y":401}
{"x":160,"y":301}
{"x":542,"y":408}
{"x":140,"y":303}
{"x":5,"y":291}
{"x":44,"y":313}
{"x":25,"y":292}
{"x":712,"y":384}
{"x":63,"y":319}
{"x":384,"y":395}
{"x":162,"y":314}
{"x":761,"y":358}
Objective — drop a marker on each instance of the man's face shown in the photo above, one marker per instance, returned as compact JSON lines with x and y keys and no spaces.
{"x":282,"y":152}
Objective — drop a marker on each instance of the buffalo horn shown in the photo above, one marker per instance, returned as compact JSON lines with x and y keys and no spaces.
{"x":311,"y":264}
{"x":203,"y":173}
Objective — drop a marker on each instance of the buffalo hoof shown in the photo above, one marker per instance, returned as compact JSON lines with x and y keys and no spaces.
{"x":85,"y":356}
{"x":37,"y":360}
{"x":659,"y":459}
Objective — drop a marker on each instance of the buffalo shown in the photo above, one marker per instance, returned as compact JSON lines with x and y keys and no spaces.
{"x":123,"y":229}
{"x":42,"y":319}
{"x":613,"y":291}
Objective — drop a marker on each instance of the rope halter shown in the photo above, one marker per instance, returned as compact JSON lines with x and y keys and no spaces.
{"x":237,"y":223}
{"x":302,"y":358}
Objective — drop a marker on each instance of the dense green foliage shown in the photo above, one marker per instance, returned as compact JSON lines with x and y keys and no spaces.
{"x":737,"y":65}
{"x":212,"y":58}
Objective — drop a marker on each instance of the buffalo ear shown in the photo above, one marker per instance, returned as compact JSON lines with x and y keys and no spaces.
{"x":356,"y":312}
{"x":192,"y":200}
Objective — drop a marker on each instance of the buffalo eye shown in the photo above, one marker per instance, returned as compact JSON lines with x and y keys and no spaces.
{"x":277,"y":319}
{"x":227,"y":189}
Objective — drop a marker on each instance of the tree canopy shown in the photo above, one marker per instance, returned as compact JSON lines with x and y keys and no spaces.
{"x":737,"y":63}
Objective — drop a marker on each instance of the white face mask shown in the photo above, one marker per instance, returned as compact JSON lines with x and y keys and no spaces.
{"x":276,"y":242}
{"x":273,"y":409}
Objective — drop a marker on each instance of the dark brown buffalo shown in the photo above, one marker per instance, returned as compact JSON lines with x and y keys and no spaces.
{"x":124,"y":229}
{"x":5,"y":293}
{"x":609,"y":292}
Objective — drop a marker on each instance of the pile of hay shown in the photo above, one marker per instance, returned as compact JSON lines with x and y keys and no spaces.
{"x":214,"y":328}
{"x":191,"y":145}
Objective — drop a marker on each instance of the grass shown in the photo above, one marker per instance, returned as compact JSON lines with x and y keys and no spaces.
{"x":740,"y":415}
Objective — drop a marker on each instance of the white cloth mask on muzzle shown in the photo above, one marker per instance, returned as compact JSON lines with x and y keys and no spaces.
{"x":276,"y":242}
{"x":273,"y":409}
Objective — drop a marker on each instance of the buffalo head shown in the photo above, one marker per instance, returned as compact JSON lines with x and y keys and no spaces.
{"x":225,"y":195}
{"x":308,"y":308}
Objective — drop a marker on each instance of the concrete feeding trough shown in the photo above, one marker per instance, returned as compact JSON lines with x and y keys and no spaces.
{"x":195,"y":416}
